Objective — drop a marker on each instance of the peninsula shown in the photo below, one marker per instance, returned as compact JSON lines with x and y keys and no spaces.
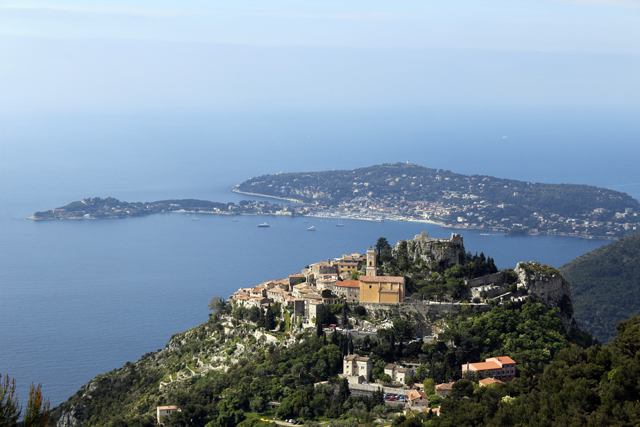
{"x":409,"y":192}
{"x":405,"y":192}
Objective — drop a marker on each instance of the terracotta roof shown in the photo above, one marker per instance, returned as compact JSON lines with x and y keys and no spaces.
{"x":390,"y":366}
{"x":444,"y":386}
{"x":322,"y":264}
{"x":348,"y":284}
{"x":416,"y":394}
{"x":296,"y":275}
{"x":484,"y":366}
{"x":167,"y":407}
{"x":502,"y":360}
{"x":489,"y":381}
{"x":381,"y":279}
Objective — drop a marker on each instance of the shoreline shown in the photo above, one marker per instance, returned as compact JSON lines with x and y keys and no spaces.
{"x":235,"y":190}
{"x":338,"y":217}
{"x":424,"y":221}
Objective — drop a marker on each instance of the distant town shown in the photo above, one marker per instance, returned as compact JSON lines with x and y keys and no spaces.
{"x":409,"y":192}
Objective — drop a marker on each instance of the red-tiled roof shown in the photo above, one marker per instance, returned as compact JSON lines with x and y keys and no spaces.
{"x":381,"y":279}
{"x":444,"y":386}
{"x":504,"y":360}
{"x":489,"y":381}
{"x":483,"y":366}
{"x":416,"y":394}
{"x":348,"y":284}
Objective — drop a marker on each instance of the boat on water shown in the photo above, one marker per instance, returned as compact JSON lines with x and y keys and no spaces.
{"x":340,"y":224}
{"x":306,"y":222}
{"x":235,"y":219}
{"x":263,"y":225}
{"x":312,"y":228}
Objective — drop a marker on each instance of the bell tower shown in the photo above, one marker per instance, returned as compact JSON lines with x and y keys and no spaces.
{"x":372,"y":270}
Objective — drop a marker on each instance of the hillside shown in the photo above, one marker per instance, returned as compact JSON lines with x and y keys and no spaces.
{"x":597,"y":386}
{"x":226,"y":371}
{"x":605,"y":284}
{"x":476,"y":201}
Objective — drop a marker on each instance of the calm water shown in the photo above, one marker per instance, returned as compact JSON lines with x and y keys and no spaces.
{"x":80,"y":298}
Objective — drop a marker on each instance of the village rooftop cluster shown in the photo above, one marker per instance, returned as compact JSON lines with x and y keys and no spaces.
{"x":304,"y":294}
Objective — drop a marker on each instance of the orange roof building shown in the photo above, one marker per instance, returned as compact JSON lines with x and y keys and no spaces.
{"x":501,"y":368}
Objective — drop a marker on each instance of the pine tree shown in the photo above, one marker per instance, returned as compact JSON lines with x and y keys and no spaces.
{"x":37,"y":413}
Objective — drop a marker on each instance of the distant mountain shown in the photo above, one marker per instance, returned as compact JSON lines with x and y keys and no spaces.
{"x":605,"y":284}
{"x":462,"y":201}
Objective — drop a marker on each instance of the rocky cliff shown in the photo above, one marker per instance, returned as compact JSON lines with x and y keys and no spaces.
{"x":546,"y":284}
{"x":445,"y":252}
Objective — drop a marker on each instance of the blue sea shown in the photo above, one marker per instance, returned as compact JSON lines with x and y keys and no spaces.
{"x":79,"y":298}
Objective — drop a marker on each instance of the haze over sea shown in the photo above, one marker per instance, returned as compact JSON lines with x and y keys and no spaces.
{"x":79,"y":298}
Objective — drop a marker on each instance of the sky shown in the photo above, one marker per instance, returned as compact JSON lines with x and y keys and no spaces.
{"x":140,"y":55}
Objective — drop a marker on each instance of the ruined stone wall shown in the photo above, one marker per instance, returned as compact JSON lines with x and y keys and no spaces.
{"x":447,"y":252}
{"x":489,"y":279}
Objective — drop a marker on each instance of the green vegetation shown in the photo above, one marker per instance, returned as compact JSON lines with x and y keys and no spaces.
{"x":592,"y":386}
{"x":433,"y":279}
{"x":605,"y":284}
{"x":248,"y":372}
{"x":37,"y":413}
{"x":230,"y":370}
{"x":97,"y":208}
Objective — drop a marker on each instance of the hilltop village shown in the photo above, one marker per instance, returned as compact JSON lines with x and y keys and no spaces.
{"x":326,"y":282}
{"x":354,"y":279}
{"x":362,"y":339}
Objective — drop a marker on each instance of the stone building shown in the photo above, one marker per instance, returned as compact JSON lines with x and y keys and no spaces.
{"x":356,"y":366}
{"x":397,"y":373}
{"x":348,"y":289}
{"x":382,"y":289}
{"x":501,"y":368}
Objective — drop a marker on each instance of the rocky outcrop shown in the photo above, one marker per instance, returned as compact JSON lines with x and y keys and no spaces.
{"x":547,"y":285}
{"x":445,"y":252}
{"x":69,"y":418}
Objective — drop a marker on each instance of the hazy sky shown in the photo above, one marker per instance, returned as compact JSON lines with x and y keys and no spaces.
{"x":139,"y":55}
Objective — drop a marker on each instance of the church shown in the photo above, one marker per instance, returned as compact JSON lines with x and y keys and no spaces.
{"x":380,"y":289}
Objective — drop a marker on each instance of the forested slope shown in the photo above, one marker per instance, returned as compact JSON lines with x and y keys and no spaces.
{"x":597,"y":386}
{"x":605,"y":284}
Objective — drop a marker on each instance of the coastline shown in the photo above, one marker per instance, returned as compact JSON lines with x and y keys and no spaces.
{"x":336,"y":215}
{"x":235,"y":190}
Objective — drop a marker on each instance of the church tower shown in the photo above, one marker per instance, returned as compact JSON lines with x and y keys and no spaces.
{"x":372,"y":270}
